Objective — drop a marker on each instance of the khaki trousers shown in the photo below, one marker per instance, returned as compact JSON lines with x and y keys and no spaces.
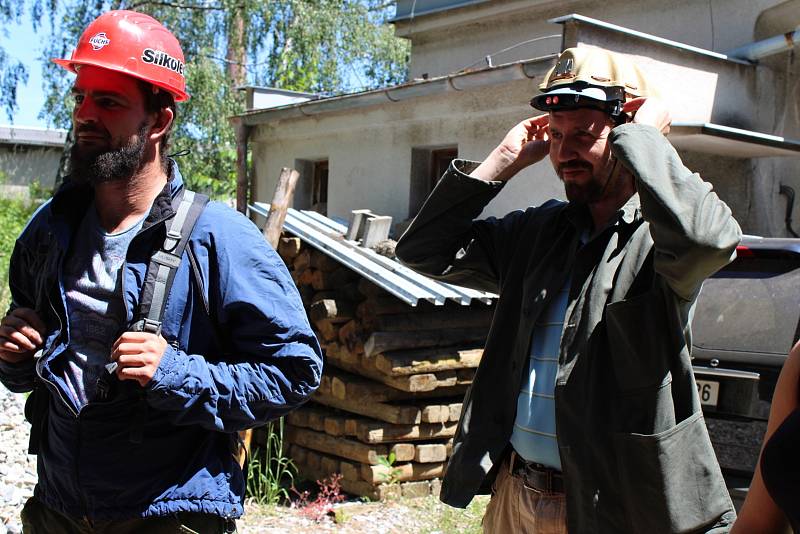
{"x":514,"y":509}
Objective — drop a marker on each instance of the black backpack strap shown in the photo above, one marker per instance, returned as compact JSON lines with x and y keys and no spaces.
{"x":165,"y":262}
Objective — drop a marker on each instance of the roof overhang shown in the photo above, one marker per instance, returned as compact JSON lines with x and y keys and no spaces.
{"x":31,"y":136}
{"x":721,"y":140}
{"x":460,"y":81}
{"x":409,"y":9}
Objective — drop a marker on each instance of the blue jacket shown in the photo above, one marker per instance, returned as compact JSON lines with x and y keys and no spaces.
{"x":241,"y":353}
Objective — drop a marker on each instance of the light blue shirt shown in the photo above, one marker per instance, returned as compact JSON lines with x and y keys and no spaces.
{"x":534,"y":434}
{"x":95,"y":309}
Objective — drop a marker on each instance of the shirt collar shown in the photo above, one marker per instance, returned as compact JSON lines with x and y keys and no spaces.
{"x":581,"y":219}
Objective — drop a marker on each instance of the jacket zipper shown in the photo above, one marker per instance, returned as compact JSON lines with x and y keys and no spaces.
{"x":40,"y":363}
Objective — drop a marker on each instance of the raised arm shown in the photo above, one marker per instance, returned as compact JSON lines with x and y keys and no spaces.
{"x":693,"y":230}
{"x":445,"y":241}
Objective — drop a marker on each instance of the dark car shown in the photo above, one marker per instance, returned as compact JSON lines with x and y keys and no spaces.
{"x":746,"y":320}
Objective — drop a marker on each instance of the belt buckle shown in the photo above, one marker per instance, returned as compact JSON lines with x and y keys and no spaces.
{"x":548,"y":485}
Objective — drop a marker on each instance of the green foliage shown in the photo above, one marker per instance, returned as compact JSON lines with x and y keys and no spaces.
{"x":14,"y":214}
{"x":392,"y":476}
{"x":269,"y":472}
{"x":321,"y":46}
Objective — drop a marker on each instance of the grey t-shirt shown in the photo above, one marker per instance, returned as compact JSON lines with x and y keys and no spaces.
{"x":95,"y":306}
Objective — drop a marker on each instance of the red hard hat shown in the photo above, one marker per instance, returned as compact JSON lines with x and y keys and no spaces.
{"x":135,"y":44}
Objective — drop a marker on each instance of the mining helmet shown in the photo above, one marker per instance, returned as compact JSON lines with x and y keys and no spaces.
{"x":591,"y":77}
{"x":135,"y":44}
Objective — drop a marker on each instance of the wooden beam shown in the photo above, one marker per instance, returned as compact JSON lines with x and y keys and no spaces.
{"x":379,"y":342}
{"x":403,"y":363}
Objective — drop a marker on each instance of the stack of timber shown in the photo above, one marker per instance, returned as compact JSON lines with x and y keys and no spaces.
{"x":395,"y":376}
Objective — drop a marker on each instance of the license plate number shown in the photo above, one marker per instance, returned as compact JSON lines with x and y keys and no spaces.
{"x":708,"y":391}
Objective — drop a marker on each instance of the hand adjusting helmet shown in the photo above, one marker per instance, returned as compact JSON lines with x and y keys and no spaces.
{"x":134,"y":44}
{"x":589,"y":77}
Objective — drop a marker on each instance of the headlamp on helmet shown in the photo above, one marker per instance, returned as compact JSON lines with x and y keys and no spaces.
{"x":589,"y":77}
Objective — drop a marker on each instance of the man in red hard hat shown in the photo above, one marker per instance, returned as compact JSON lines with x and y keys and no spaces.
{"x":149,"y":325}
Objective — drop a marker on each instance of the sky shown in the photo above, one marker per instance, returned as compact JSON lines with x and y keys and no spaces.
{"x":24,"y":45}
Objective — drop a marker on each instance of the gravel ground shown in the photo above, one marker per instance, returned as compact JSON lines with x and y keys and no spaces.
{"x":17,"y":468}
{"x":406,"y":516}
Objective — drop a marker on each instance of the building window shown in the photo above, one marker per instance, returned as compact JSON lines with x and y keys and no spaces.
{"x":427,"y":166}
{"x":319,"y":187}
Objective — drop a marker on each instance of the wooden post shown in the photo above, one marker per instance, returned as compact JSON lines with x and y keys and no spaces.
{"x":284,"y":192}
{"x":242,"y":185}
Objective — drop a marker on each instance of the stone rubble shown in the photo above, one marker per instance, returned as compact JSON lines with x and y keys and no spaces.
{"x":17,"y":468}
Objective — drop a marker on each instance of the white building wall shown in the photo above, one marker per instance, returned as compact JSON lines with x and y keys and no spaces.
{"x":446,"y":42}
{"x":369,"y":152}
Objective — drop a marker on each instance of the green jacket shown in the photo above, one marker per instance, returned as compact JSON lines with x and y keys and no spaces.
{"x":634,"y":447}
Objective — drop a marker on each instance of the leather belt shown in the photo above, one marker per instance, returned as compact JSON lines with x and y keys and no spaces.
{"x":536,"y":477}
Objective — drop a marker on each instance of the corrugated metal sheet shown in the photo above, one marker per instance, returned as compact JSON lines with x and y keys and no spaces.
{"x":327,"y":235}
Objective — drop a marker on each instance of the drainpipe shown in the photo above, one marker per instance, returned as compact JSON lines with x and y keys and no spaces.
{"x":767,"y":47}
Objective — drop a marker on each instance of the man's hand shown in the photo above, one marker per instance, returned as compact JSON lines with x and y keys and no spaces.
{"x":137,"y":355}
{"x":525,"y":144}
{"x":21,"y":334}
{"x":650,"y":111}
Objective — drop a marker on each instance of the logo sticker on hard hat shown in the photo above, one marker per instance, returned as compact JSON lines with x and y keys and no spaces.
{"x":99,"y":41}
{"x":563,"y":69}
{"x":162,"y":59}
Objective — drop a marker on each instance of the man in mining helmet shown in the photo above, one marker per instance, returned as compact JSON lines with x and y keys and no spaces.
{"x":583,"y":415}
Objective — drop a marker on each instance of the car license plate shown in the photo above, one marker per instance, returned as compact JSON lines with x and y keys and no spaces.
{"x":708,"y":391}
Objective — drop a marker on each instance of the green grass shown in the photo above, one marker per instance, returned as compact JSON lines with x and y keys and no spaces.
{"x":269,"y":472}
{"x":14,"y":214}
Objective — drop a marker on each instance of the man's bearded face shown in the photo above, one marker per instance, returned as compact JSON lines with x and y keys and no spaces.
{"x":106,"y":159}
{"x":580,"y":152}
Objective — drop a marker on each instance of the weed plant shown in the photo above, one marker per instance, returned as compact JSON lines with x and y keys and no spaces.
{"x":270,"y":472}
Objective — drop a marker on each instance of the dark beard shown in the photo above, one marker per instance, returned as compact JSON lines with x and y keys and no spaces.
{"x":95,"y":167}
{"x":586,"y":193}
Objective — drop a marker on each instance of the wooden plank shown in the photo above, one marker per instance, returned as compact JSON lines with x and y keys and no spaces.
{"x":289,"y":248}
{"x":350,"y":470}
{"x":377,"y":410}
{"x":374,"y":432}
{"x":345,"y":448}
{"x":335,"y":311}
{"x":345,"y":385}
{"x":382,"y":305}
{"x":402,"y":363}
{"x":316,"y":420}
{"x":379,"y":474}
{"x":382,"y":342}
{"x":323,"y":262}
{"x":351,"y":336}
{"x":435,"y":414}
{"x":403,"y":452}
{"x":368,"y":289}
{"x":412,"y":322}
{"x":324,"y":384}
{"x":430,"y":453}
{"x":302,"y":261}
{"x":331,"y":280}
{"x":420,"y":383}
{"x":455,"y":411}
{"x":327,"y":330}
{"x":335,"y":425}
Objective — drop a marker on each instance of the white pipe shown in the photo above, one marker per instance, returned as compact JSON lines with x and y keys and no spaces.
{"x":767,"y":47}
